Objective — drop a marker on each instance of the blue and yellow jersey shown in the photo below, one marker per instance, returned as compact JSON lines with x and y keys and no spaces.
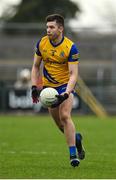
{"x":55,"y":60}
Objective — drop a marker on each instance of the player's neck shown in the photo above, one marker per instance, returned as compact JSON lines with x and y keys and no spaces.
{"x":57,"y":40}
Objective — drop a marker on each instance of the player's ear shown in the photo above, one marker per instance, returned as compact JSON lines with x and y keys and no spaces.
{"x":61,"y":29}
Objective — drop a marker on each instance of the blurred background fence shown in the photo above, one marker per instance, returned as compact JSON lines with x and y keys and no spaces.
{"x":97,"y":63}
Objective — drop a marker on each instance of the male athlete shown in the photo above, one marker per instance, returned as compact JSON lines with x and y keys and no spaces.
{"x":60,"y":71}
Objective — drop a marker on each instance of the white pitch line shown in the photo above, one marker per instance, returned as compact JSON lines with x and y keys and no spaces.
{"x":29,"y":152}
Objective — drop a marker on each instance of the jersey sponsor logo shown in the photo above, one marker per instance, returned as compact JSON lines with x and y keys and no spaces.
{"x":53,"y":62}
{"x":45,"y":51}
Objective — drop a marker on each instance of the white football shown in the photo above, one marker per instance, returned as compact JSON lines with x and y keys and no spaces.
{"x":48,"y":96}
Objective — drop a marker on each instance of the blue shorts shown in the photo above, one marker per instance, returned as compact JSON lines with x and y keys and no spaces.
{"x":61,"y":89}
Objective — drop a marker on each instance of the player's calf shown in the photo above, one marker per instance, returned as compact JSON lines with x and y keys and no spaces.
{"x":79,"y":146}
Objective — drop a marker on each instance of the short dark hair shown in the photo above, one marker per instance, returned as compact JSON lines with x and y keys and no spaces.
{"x":56,"y":17}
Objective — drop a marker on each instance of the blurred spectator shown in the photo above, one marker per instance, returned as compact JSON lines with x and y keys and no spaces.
{"x":23,"y":80}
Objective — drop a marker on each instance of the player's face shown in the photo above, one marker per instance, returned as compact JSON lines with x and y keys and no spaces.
{"x":54,"y":30}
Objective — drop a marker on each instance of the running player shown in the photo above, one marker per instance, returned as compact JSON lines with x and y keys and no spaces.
{"x":60,"y":59}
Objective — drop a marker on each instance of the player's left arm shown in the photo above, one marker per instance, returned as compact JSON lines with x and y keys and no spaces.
{"x":73,"y":76}
{"x":73,"y":62}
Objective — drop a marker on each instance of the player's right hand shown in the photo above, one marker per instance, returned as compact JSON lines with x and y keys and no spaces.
{"x":35,"y":94}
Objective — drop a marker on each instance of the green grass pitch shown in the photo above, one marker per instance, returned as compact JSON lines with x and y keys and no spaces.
{"x":32,"y":147}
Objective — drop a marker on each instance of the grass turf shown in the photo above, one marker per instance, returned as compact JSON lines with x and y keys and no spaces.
{"x":32,"y":147}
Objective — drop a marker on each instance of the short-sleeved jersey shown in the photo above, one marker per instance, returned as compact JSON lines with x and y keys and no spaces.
{"x":55,"y":60}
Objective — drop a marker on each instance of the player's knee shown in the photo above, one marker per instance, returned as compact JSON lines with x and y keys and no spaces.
{"x":64,"y":117}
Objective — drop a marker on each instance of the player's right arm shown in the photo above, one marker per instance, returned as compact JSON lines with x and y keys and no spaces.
{"x":34,"y":78}
{"x":35,"y":70}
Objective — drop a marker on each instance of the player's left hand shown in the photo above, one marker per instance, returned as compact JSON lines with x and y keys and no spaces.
{"x":61,"y":98}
